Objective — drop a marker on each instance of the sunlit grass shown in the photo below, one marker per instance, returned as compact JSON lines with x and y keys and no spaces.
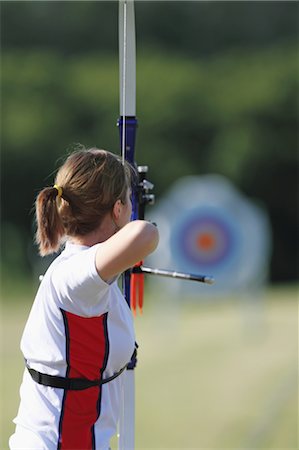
{"x":218,"y":374}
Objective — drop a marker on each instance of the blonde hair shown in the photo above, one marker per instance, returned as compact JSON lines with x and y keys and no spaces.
{"x":86,"y":188}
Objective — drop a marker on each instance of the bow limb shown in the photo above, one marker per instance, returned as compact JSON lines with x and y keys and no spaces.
{"x":127,"y":59}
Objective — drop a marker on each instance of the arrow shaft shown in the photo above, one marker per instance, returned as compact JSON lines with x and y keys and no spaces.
{"x":180,"y":275}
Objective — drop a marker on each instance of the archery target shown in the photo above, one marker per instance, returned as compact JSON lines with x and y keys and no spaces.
{"x":219,"y":233}
{"x":205,"y":239}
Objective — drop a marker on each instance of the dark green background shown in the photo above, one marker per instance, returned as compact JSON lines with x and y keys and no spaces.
{"x":217,"y":92}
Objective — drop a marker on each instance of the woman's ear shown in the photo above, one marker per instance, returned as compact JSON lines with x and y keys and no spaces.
{"x":116,"y":211}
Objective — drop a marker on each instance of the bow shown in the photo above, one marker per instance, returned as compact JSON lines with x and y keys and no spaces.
{"x":127,"y":124}
{"x":141,"y":196}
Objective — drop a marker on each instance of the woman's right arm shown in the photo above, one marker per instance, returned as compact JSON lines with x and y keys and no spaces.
{"x":128,"y":246}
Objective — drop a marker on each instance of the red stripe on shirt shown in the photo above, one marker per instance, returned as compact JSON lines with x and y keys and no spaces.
{"x":87,"y":349}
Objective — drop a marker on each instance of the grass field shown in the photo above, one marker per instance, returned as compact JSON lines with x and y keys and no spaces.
{"x":211,"y":375}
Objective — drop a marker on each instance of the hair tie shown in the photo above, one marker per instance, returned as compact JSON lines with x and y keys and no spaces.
{"x":59,"y":190}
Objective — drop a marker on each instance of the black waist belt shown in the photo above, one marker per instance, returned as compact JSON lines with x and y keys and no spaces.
{"x":73,"y":384}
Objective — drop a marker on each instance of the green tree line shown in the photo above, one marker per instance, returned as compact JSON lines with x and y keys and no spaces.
{"x":194,"y":28}
{"x":231,"y":110}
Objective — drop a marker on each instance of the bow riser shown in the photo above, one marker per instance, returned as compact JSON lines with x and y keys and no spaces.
{"x":127,"y":134}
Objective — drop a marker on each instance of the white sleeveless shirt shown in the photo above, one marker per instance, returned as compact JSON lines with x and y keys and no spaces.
{"x":80,"y":327}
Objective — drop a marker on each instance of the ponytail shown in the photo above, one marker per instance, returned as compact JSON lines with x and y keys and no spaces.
{"x":50,"y":229}
{"x":87,"y":186}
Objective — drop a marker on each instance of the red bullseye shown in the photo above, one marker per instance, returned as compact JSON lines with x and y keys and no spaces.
{"x":206,"y":242}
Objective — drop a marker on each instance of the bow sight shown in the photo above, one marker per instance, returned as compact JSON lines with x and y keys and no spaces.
{"x":144,"y":187}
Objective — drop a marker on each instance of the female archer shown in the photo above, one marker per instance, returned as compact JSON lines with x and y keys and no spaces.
{"x":79,"y":336}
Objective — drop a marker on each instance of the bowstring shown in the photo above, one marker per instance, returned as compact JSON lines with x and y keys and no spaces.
{"x":123,"y":157}
{"x":123,"y":143}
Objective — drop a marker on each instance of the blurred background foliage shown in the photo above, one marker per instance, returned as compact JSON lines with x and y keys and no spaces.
{"x":217,"y":92}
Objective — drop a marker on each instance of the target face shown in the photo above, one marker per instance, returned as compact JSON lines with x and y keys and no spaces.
{"x":205,"y":239}
{"x":208,"y":227}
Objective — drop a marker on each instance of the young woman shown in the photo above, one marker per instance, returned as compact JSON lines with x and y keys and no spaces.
{"x":80,"y":334}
